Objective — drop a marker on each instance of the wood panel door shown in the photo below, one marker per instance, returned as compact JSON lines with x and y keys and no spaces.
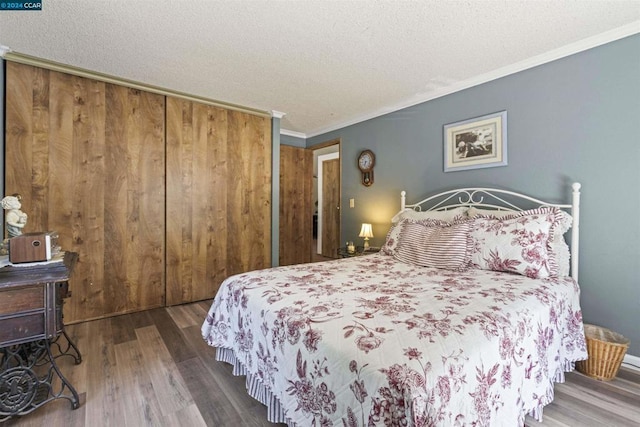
{"x":88,"y":159}
{"x":218,"y":197}
{"x":331,"y":208}
{"x":296,"y":227}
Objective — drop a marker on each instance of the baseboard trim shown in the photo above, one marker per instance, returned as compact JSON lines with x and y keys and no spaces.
{"x":632,"y":362}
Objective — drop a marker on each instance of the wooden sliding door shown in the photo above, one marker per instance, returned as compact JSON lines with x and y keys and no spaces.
{"x":88,"y":159}
{"x":104,"y":165}
{"x":218,"y":197}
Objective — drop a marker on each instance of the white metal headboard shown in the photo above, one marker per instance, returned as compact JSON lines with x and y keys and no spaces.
{"x":475,"y":197}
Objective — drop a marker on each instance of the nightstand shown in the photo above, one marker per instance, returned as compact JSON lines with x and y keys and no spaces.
{"x":344,"y":253}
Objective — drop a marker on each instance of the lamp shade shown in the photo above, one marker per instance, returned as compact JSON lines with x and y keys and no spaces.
{"x":366,"y":231}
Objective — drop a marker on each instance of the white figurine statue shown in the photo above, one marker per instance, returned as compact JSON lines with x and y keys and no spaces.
{"x":14,"y":217}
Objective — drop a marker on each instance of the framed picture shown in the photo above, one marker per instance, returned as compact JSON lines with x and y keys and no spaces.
{"x":476,"y":143}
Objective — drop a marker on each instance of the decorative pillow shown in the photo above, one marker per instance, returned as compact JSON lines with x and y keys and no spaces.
{"x":393,"y":237}
{"x":559,"y":247}
{"x":559,"y":250}
{"x":449,"y":215}
{"x":436,"y":244}
{"x":520,"y":242}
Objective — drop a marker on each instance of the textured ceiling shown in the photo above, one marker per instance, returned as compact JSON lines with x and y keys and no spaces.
{"x":323,"y":63}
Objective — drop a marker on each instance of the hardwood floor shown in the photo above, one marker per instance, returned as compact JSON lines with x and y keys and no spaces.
{"x":153,"y":369}
{"x":584,"y":401}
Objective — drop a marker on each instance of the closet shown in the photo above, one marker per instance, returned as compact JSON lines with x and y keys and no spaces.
{"x":218,"y":197}
{"x":161,"y":197}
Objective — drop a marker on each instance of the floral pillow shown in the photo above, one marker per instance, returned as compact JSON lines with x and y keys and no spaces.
{"x":519,"y":243}
{"x":436,"y":244}
{"x":393,"y":237}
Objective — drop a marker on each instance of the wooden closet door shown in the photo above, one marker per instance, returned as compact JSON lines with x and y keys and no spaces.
{"x":88,"y":159}
{"x":218,"y":197}
{"x":296,"y":227}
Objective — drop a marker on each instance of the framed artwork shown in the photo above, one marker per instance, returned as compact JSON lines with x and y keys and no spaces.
{"x":475,"y":143}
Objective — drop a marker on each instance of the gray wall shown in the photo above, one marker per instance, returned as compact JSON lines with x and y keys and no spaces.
{"x":292,"y":140}
{"x":275,"y":191}
{"x":574,"y":119}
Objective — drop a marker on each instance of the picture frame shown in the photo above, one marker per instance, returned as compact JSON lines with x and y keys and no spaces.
{"x":480,"y":142}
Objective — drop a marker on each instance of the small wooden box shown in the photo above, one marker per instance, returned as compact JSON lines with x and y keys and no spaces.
{"x":32,"y":247}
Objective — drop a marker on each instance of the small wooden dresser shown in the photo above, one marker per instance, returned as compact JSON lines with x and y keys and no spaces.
{"x":32,"y":336}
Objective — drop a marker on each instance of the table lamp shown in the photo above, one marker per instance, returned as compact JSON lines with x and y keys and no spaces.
{"x":366,"y":231}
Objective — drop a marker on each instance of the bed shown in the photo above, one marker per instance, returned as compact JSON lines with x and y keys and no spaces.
{"x":467,"y":316}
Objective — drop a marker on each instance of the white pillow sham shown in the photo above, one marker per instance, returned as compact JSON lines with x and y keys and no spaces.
{"x":473,"y":212}
{"x":448,"y":215}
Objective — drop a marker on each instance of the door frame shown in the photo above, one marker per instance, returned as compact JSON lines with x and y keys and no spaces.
{"x":322,"y":146}
{"x":321,"y":159}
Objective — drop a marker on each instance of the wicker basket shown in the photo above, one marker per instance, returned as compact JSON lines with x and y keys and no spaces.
{"x":606,"y":350}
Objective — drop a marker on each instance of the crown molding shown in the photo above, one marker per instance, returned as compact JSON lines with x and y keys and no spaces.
{"x":4,"y":50}
{"x":553,"y":55}
{"x":277,"y":114}
{"x":293,"y":133}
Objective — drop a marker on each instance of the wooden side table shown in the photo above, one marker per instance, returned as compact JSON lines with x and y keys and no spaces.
{"x":32,"y":336}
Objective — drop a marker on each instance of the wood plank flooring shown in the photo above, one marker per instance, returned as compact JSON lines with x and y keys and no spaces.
{"x":153,"y":369}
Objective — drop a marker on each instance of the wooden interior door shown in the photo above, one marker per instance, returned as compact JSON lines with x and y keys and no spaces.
{"x":88,"y":159}
{"x":218,"y":197}
{"x":331,"y":208}
{"x":296,"y":227}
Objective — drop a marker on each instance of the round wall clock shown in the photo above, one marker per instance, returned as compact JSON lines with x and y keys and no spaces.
{"x":366,"y":162}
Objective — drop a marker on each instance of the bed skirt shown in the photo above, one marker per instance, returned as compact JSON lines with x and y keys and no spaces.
{"x":567,"y":366}
{"x":275,"y":414}
{"x":255,"y":387}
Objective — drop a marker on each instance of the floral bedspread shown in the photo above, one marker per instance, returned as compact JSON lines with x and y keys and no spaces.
{"x":371,"y":341}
